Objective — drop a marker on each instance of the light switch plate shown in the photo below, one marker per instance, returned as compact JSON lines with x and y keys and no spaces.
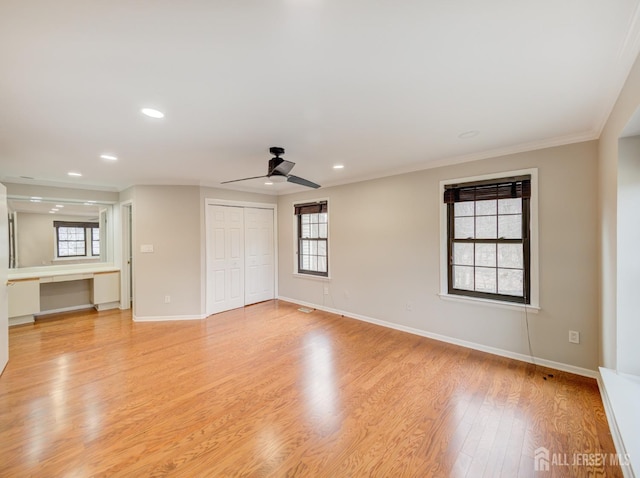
{"x":146,"y":248}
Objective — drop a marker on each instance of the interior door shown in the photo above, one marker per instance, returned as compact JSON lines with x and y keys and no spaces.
{"x":259,"y":255}
{"x":4,"y":274}
{"x":225,"y":258}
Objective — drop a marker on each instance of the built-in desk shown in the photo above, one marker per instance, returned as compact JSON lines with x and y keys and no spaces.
{"x":39,"y":291}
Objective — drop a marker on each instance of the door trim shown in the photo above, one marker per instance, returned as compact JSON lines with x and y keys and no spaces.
{"x":243,"y":204}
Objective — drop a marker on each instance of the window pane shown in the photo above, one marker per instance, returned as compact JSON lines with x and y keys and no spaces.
{"x":322,"y":248}
{"x":463,"y":227}
{"x":322,"y":230}
{"x":305,"y":262}
{"x":314,"y":230}
{"x":313,"y":248}
{"x":305,"y":218}
{"x":322,"y":218}
{"x":313,"y":218}
{"x":463,"y":277}
{"x":463,"y":254}
{"x":322,"y":264}
{"x":510,"y":255}
{"x":63,"y":249}
{"x":463,"y":209}
{"x":306,"y":230}
{"x":510,"y":282}
{"x":486,"y":208}
{"x":510,"y":206}
{"x":486,"y":227}
{"x":510,"y":227}
{"x":62,"y":233}
{"x":313,"y":263}
{"x":486,"y":279}
{"x":305,"y":247}
{"x":486,"y":255}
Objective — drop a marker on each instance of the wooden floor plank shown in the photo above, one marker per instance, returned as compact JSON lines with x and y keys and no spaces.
{"x":270,"y":391}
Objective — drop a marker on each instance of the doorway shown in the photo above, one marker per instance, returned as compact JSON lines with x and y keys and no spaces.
{"x":240,"y":255}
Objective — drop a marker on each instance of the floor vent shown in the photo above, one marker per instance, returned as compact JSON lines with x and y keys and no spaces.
{"x":306,"y":310}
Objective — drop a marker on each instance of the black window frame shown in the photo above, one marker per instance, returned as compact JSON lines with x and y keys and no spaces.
{"x":86,"y":238}
{"x":508,"y":187}
{"x":301,"y":210}
{"x":94,"y":238}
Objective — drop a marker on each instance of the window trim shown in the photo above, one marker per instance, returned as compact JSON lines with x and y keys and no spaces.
{"x":296,"y":241}
{"x":533,"y":242}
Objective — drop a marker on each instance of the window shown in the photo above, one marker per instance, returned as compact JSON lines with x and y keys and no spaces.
{"x":488,"y":239}
{"x":95,"y":241}
{"x":77,"y":239}
{"x":312,"y":233}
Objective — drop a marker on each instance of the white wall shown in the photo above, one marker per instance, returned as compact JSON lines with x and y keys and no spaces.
{"x":626,"y":105}
{"x":628,"y":250}
{"x":167,"y":218}
{"x":171,"y":218}
{"x":385,"y":248}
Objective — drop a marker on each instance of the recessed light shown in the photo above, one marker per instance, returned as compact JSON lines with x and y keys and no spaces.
{"x":150,"y":112}
{"x":469,"y":134}
{"x":55,"y":209}
{"x":91,"y":202}
{"x":35,"y":200}
{"x":109,"y":157}
{"x":52,"y":212}
{"x":36,"y":197}
{"x":338,"y":166}
{"x":74,"y":174}
{"x":268,"y":183}
{"x":60,"y":206}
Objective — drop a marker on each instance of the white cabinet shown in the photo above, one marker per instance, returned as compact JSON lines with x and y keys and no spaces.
{"x":106,"y":290}
{"x":24,"y":300}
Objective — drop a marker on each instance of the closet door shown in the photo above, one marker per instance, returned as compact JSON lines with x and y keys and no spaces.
{"x":225,"y":258}
{"x":259,"y":255}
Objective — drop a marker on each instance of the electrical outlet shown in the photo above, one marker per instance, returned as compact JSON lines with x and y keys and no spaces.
{"x":409,"y":306}
{"x":574,"y":337}
{"x":326,"y":290}
{"x":167,"y":299}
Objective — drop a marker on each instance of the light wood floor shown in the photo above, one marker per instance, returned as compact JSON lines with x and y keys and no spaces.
{"x":271,"y":391}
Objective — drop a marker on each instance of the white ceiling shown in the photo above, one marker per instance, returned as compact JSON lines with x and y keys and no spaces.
{"x":382,"y":87}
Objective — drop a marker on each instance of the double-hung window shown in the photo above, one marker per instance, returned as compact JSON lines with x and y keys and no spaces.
{"x":77,"y":239}
{"x":312,"y":235}
{"x":488,"y":239}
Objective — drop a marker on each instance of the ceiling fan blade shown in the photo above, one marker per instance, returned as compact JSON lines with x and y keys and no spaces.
{"x":243,"y":179}
{"x":280,"y":166}
{"x":301,"y":181}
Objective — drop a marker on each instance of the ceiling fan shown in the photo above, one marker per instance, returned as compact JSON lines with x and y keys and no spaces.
{"x":279,"y":167}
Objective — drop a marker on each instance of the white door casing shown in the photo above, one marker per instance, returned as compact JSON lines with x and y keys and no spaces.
{"x":4,"y":275}
{"x":259,"y":255}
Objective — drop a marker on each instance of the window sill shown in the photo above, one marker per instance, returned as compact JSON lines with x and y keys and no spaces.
{"x":534,"y":309}
{"x":297,"y":275}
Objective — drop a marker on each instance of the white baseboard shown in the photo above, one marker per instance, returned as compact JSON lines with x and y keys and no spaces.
{"x":452,"y":340}
{"x":107,"y":306}
{"x":64,"y":309}
{"x":23,"y":319}
{"x":167,"y":318}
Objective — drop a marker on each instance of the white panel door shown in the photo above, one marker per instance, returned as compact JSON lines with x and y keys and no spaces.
{"x":259,"y":255}
{"x":4,"y":273}
{"x":225,"y":258}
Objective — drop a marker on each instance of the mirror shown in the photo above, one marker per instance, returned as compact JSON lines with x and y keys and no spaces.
{"x":53,"y":233}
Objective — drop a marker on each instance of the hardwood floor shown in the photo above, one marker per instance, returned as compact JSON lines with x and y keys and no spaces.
{"x":271,"y":391}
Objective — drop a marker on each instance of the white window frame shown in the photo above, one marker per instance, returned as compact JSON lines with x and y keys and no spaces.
{"x":296,"y":244}
{"x":533,"y":226}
